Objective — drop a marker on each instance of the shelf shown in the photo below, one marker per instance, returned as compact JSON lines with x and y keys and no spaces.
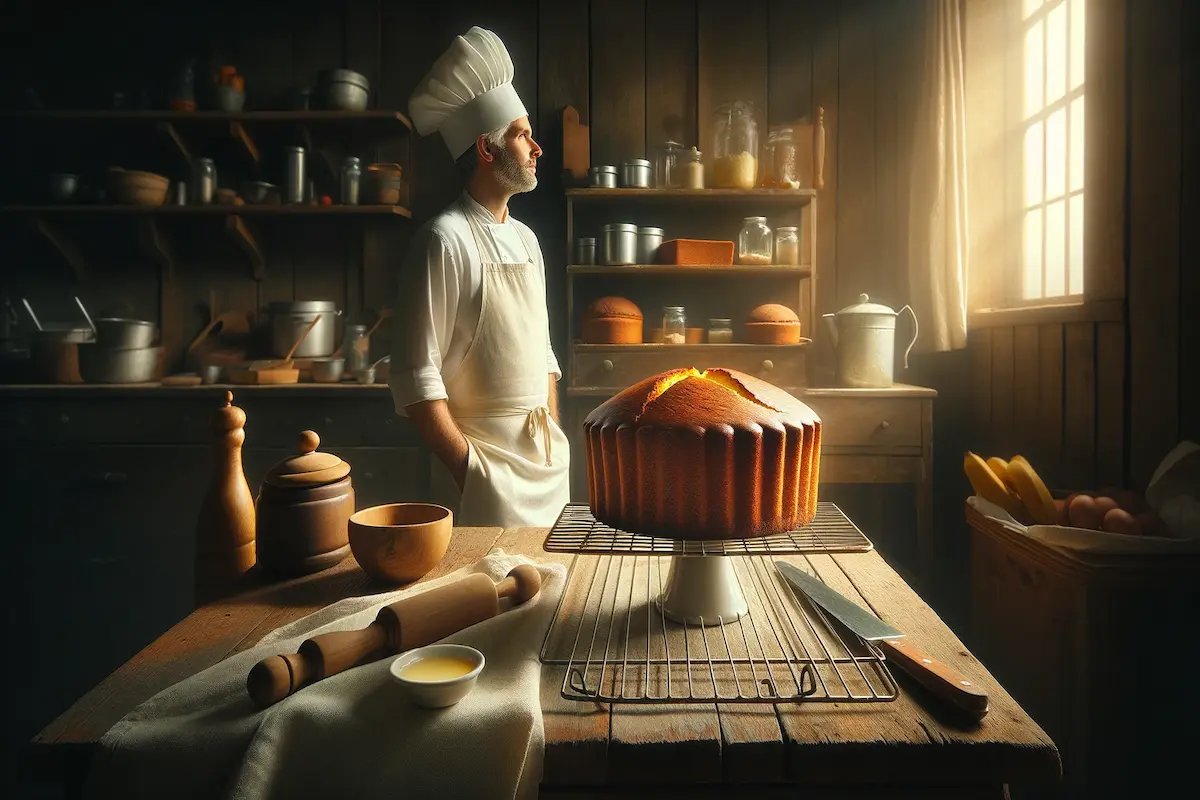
{"x":689,"y":269}
{"x":645,"y":347}
{"x":211,"y":211}
{"x":217,"y":389}
{"x":385,"y":121}
{"x":783,"y":196}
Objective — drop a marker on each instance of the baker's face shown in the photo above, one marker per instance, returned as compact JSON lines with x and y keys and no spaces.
{"x":515,"y":167}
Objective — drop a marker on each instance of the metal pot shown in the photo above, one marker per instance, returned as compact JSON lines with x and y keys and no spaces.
{"x":341,"y":89}
{"x":115,"y":333}
{"x":54,"y":352}
{"x":101,"y":365}
{"x":864,"y":339}
{"x":328,"y":370}
{"x":288,"y":321}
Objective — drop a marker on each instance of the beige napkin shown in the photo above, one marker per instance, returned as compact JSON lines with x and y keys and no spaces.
{"x":350,"y":735}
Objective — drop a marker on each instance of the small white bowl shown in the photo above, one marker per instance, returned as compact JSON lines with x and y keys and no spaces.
{"x":438,"y":694}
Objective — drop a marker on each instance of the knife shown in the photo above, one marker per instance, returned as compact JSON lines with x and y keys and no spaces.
{"x":935,"y":676}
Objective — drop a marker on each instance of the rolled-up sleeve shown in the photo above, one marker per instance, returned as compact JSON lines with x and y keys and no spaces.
{"x":424,"y":322}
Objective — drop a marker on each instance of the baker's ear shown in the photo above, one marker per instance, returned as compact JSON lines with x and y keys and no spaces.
{"x":483,"y":149}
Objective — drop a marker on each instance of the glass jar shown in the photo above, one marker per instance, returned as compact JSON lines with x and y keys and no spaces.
{"x":674,"y":325}
{"x":720,"y":331}
{"x":735,"y":146}
{"x":351,"y":179}
{"x":668,"y":166}
{"x":783,"y":160}
{"x":787,"y":246}
{"x":693,"y":169}
{"x":766,"y":177}
{"x":357,"y":347}
{"x":754,"y":242}
{"x":202,"y":185}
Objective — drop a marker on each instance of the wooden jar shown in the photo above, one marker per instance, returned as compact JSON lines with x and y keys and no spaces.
{"x":302,"y":512}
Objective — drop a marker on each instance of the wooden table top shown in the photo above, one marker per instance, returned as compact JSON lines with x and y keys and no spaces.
{"x":909,"y":742}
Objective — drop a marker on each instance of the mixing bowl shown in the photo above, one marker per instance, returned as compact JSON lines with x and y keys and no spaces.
{"x":400,"y":542}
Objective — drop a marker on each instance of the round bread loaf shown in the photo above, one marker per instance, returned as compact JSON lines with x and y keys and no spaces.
{"x":614,"y":307}
{"x":611,"y":320}
{"x":772,"y":323}
{"x":716,"y":454}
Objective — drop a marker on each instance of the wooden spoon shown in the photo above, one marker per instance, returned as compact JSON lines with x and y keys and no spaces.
{"x":287,"y":360}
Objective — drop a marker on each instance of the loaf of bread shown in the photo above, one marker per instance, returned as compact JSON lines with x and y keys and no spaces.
{"x":703,"y":455}
{"x":772,"y":323}
{"x":611,"y":320}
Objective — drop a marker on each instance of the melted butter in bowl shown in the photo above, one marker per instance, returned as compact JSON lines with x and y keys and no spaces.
{"x":438,"y":675}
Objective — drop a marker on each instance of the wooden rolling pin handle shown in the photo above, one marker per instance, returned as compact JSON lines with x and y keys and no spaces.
{"x":521,"y":584}
{"x":277,"y":677}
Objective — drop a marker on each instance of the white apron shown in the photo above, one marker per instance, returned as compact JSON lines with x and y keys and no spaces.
{"x":519,"y":459}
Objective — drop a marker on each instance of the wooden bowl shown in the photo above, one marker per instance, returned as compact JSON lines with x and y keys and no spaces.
{"x":137,"y":188}
{"x":400,"y":542}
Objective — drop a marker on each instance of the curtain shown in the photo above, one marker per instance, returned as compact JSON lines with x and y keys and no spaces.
{"x":937,"y":218}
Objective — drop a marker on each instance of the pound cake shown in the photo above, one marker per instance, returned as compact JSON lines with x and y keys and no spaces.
{"x":716,"y":454}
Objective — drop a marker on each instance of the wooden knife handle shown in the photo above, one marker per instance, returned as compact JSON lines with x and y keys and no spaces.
{"x":408,"y":623}
{"x":937,"y":677}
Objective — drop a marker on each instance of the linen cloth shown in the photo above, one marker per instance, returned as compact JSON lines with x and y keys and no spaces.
{"x":354,"y":734}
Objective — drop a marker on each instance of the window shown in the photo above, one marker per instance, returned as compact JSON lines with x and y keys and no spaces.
{"x":1051,"y":111}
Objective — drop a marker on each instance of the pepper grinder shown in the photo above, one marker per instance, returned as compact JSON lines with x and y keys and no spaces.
{"x":225,"y":535}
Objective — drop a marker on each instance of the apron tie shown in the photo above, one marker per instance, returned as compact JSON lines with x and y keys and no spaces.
{"x":539,"y":417}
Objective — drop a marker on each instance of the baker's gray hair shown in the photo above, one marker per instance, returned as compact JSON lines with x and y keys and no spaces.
{"x":469,"y":160}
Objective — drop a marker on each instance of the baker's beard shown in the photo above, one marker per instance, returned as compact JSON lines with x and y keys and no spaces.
{"x":512,"y":176}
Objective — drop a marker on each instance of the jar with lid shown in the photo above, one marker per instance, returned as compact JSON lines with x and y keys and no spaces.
{"x":674,"y":325}
{"x":202,"y":185}
{"x":357,"y":347}
{"x":351,"y":178}
{"x":720,"y":331}
{"x":668,"y":165}
{"x":693,"y":169}
{"x":787,"y":246}
{"x":735,"y":146}
{"x":754,"y":241}
{"x":784,"y":168}
{"x":766,"y":177}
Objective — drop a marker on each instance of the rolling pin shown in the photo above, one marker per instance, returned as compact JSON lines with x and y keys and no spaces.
{"x":405,"y":624}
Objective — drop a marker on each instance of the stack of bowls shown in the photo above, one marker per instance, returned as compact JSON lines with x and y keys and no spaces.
{"x":123,"y":352}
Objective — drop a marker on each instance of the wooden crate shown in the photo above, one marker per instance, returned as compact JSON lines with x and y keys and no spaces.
{"x":1101,"y":651}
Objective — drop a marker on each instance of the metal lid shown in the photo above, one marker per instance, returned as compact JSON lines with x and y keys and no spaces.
{"x":671,"y":145}
{"x":754,"y":219}
{"x":351,"y":160}
{"x":293,"y":149}
{"x":620,"y":227}
{"x":588,"y":240}
{"x":864,"y":306}
{"x":343,"y":76}
{"x":637,"y":162}
{"x":650,"y":231}
{"x":604,"y":169}
{"x":303,"y":306}
{"x":718,"y":322}
{"x":667,"y":309}
{"x":787,"y":228}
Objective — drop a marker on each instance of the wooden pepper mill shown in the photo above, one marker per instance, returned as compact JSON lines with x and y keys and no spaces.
{"x":225,"y":543}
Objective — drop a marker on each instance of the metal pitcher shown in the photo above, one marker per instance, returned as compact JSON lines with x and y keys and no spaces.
{"x":864,"y":340}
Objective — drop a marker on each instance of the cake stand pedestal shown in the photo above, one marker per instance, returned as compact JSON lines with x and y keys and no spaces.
{"x":702,"y":590}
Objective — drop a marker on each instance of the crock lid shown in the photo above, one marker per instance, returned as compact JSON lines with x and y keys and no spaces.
{"x":864,"y":306}
{"x":310,"y":468}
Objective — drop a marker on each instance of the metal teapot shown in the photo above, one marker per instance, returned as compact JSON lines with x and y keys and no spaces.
{"x":864,"y":340}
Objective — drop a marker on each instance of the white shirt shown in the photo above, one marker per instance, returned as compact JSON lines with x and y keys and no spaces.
{"x":441,"y":295}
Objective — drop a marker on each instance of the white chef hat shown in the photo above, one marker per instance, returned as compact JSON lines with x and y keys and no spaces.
{"x":468,"y":92}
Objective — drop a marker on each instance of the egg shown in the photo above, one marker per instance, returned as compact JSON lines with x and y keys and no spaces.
{"x":1083,"y":512}
{"x":1106,"y":504}
{"x":1118,"y":520}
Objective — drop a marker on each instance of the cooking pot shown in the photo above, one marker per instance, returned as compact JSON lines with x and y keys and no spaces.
{"x":302,"y":512}
{"x":289,"y":320}
{"x":54,"y":352}
{"x":864,"y":340}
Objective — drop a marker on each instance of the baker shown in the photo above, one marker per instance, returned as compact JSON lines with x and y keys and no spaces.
{"x":472,"y":365}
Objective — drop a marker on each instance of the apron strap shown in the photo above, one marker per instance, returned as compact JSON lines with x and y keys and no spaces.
{"x":539,"y":418}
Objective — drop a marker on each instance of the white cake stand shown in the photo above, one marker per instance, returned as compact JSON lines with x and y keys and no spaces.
{"x":702,"y":590}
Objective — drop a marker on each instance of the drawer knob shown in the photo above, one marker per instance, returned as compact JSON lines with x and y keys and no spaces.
{"x":884,"y":425}
{"x":607,"y":365}
{"x":768,"y":365}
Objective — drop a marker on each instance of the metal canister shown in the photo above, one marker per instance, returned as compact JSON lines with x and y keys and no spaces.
{"x":636,"y":174}
{"x":619,"y":241}
{"x":351,"y":178}
{"x":648,"y":241}
{"x":585,"y":250}
{"x":203,"y":184}
{"x":181,"y":194}
{"x":603,"y":177}
{"x":357,"y":347}
{"x":294,"y":179}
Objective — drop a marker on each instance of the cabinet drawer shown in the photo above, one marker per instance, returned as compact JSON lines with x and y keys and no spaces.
{"x":615,"y":367}
{"x":880,"y":423}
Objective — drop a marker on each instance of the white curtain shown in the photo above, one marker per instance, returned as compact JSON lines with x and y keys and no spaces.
{"x":937,"y":218}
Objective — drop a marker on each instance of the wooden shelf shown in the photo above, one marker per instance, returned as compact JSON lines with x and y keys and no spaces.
{"x":217,"y":389}
{"x":384,"y":120}
{"x":581,"y":347}
{"x":801,"y":196}
{"x":690,"y":269}
{"x":211,"y":211}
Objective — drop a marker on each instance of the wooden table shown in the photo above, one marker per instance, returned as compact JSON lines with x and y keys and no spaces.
{"x":904,"y":748}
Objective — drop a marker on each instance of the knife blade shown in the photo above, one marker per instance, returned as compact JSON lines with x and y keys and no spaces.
{"x":935,"y":676}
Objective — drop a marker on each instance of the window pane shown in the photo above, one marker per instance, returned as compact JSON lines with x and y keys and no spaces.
{"x":1075,"y":273}
{"x":1033,"y":164}
{"x":1077,"y":139}
{"x":1031,"y":260}
{"x":1033,"y":69}
{"x":1056,"y":249}
{"x":1029,"y":6}
{"x":1056,"y":53}
{"x":1056,"y":154}
{"x":1078,"y":51}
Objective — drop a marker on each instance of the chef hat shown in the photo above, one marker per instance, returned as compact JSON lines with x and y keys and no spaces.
{"x":468,"y":92}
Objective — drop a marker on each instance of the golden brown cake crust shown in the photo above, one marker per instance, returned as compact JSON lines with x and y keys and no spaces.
{"x":773,"y":312}
{"x":703,"y":455}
